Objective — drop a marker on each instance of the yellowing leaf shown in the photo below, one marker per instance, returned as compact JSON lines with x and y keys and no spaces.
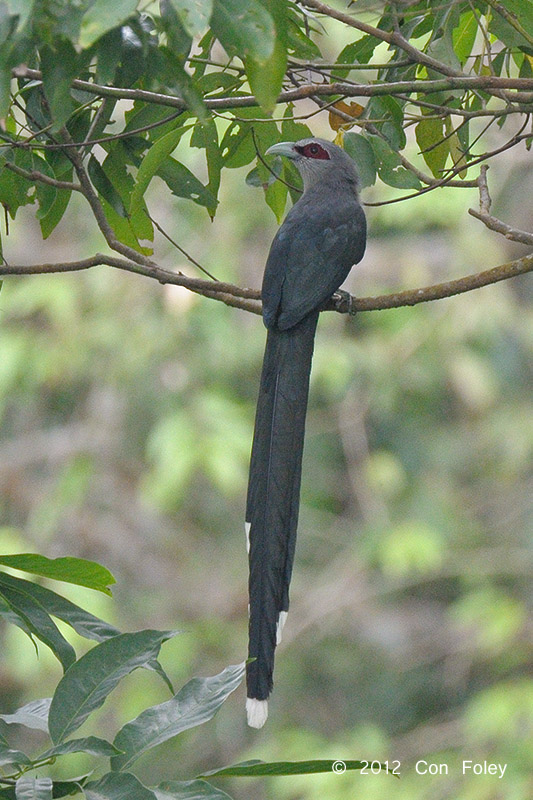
{"x":354,"y":110}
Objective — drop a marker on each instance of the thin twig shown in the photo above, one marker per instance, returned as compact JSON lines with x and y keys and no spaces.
{"x":269,"y":168}
{"x":34,"y":175}
{"x":455,"y":171}
{"x":187,"y":255}
{"x":491,"y":222}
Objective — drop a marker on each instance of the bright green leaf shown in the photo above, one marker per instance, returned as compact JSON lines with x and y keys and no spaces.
{"x":90,"y":680}
{"x":158,"y":153}
{"x":256,"y":767}
{"x":196,"y":703}
{"x":464,"y":35}
{"x":69,"y":569}
{"x":266,"y":78}
{"x":276,"y":198}
{"x":435,"y":148}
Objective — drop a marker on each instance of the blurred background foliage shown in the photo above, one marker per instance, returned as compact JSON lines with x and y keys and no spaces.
{"x":126,"y":415}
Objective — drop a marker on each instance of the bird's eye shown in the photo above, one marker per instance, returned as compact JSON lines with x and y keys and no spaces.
{"x":313,"y":150}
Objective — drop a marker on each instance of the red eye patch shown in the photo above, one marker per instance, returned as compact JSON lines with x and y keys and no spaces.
{"x":313,"y":150}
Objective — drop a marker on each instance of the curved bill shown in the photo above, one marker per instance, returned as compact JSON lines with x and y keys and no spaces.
{"x":286,"y":149}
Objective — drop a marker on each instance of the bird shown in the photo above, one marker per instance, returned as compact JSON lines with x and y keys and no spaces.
{"x":321,"y":238}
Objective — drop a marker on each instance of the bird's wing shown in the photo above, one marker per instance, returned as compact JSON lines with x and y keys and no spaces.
{"x":310,"y":257}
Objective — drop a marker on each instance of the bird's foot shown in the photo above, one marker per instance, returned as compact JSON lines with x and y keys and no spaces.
{"x":343,"y":302}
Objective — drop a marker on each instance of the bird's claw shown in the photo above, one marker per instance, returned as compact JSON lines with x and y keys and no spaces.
{"x":344,"y":302}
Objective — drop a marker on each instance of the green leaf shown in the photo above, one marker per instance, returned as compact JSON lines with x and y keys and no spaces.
{"x":109,"y":50}
{"x":55,"y":213}
{"x":464,"y":35}
{"x":188,"y":790}
{"x":90,"y":744}
{"x":359,"y":148}
{"x":32,"y":715}
{"x":102,"y":16}
{"x":72,"y":786}
{"x":38,"y":621}
{"x":11,"y":617}
{"x":430,"y":134}
{"x":276,"y":198}
{"x":59,"y":67}
{"x":389,"y":166}
{"x":88,"y":682}
{"x":14,"y":191}
{"x":522,"y":13}
{"x":182,"y":83}
{"x":266,"y":78}
{"x":194,"y":14}
{"x":44,"y":193}
{"x":206,"y":136}
{"x":256,"y":767}
{"x":442,"y":50}
{"x":85,"y":624}
{"x":196,"y":703}
{"x":390,"y":113}
{"x":237,"y":147}
{"x":69,"y":569}
{"x":244,"y":28}
{"x":117,"y":786}
{"x":104,"y":187}
{"x":33,"y":789}
{"x":261,"y":177}
{"x":182,"y":183}
{"x":158,"y":153}
{"x":8,"y":756}
{"x":358,"y":52}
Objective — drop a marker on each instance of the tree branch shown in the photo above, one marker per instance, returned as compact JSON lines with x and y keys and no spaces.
{"x":391,"y":37}
{"x":487,"y":82}
{"x":511,"y":19}
{"x":491,"y":222}
{"x":34,"y":175}
{"x":248,"y":299}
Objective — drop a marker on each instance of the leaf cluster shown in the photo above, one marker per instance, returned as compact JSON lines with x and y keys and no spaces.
{"x":227,"y":78}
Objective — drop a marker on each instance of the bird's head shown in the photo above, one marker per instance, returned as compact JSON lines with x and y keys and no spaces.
{"x":318,"y":160}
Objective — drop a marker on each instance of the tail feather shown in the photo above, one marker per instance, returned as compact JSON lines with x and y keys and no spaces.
{"x":274,"y":492}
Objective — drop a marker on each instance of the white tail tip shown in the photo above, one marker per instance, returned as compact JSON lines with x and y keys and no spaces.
{"x":247,"y":526}
{"x":257,"y":712}
{"x":282,"y":619}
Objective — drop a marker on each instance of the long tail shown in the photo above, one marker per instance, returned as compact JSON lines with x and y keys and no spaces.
{"x":274,"y":498}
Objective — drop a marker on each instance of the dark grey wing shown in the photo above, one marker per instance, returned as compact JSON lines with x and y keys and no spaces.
{"x":310,"y":258}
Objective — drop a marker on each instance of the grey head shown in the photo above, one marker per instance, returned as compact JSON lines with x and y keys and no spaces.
{"x":319,"y":162}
